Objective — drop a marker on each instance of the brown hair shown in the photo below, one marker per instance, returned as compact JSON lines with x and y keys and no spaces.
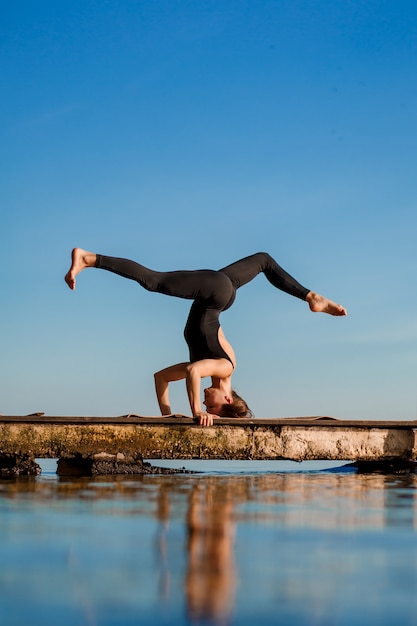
{"x":236,"y":408}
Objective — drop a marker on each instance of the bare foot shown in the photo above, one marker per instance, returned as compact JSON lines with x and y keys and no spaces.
{"x":80,"y":260}
{"x":320,"y":304}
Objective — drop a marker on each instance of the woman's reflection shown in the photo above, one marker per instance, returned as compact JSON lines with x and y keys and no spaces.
{"x":211,"y":576}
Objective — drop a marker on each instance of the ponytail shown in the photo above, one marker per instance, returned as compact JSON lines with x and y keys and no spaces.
{"x":236,"y":408}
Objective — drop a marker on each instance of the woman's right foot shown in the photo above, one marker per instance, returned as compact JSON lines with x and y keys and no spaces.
{"x":80,"y":260}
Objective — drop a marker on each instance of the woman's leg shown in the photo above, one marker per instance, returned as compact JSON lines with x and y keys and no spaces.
{"x":208,"y":286}
{"x":246,"y":269}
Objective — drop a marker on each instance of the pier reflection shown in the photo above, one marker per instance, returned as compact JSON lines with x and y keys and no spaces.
{"x":197,"y":518}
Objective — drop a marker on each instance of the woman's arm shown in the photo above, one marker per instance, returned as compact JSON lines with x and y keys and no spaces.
{"x":162,"y":380}
{"x":193,"y":373}
{"x":218,"y":368}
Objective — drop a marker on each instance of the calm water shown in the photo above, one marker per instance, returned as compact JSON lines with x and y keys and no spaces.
{"x":286,"y":544}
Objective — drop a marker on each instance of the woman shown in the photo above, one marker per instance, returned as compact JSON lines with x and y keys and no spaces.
{"x":212,"y":292}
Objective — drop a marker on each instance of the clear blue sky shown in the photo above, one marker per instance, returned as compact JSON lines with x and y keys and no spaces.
{"x":186,"y":134}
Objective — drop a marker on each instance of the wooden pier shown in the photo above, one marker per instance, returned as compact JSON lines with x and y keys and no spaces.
{"x":121,"y":444}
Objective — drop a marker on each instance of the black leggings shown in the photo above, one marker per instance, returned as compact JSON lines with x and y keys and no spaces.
{"x":212,"y":292}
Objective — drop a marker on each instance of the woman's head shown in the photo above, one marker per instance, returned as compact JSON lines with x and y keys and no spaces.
{"x":236,"y":408}
{"x":225,"y":406}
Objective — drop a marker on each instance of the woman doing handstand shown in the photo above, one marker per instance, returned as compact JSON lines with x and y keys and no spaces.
{"x":212,"y":292}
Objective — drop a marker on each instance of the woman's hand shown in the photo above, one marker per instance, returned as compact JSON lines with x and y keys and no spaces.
{"x":204,"y":418}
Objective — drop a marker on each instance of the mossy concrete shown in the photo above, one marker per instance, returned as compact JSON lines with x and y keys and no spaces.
{"x":150,"y":438}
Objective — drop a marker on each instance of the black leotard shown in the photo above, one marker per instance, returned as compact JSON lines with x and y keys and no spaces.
{"x":212,"y":292}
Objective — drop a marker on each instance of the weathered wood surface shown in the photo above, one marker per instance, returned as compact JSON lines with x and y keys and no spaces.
{"x":179,"y":437}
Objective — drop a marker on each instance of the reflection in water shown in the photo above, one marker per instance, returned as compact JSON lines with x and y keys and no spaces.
{"x":162,"y":515}
{"x":207,"y":548}
{"x":334,"y":500}
{"x":210,"y":576}
{"x":317,"y":499}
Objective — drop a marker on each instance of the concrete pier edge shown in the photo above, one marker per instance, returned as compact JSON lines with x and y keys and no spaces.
{"x":94,"y":445}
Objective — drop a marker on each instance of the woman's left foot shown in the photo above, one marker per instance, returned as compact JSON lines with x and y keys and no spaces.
{"x":320,"y":304}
